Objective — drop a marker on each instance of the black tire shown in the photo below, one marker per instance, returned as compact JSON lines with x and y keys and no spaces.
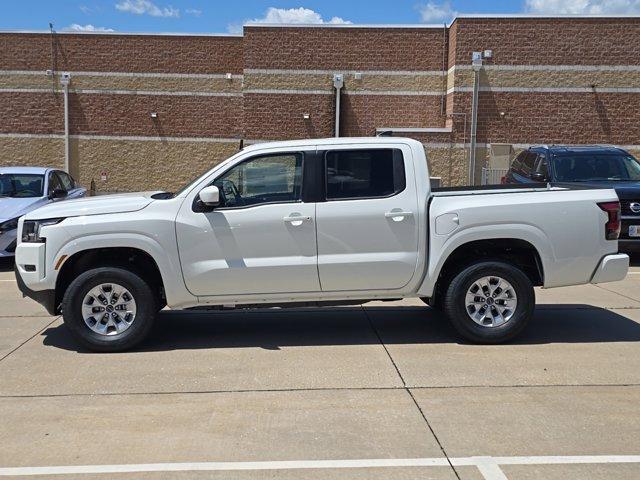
{"x":456,"y":309}
{"x":146,"y":309}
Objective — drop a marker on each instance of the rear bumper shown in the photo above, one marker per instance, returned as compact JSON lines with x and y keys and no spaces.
{"x":46,"y":298}
{"x":611,"y":269}
{"x":629,"y":246}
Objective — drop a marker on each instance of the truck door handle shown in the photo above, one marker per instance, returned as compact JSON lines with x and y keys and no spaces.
{"x":296,"y":220}
{"x":398,"y":215}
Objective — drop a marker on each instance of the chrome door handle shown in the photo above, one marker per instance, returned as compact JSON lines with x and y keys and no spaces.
{"x":398,"y":214}
{"x":297,"y":219}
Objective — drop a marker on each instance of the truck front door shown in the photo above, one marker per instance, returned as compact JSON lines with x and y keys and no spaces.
{"x":261,"y":239}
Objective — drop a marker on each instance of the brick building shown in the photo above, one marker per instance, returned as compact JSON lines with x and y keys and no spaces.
{"x":153,"y":111}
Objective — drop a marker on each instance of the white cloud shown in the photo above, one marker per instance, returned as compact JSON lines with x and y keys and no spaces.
{"x":296,"y":15}
{"x":576,"y":7}
{"x":84,"y":9}
{"x":290,"y":16}
{"x":75,"y":27}
{"x":436,"y":12}
{"x":193,"y":11}
{"x":147,"y":7}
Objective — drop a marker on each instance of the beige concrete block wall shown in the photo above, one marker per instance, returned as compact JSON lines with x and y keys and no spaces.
{"x":133,"y":165}
{"x":167,"y":83}
{"x":451,"y":164}
{"x":30,"y":151}
{"x":321,"y":81}
{"x":550,"y":78}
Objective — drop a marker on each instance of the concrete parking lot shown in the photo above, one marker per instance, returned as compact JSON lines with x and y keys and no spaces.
{"x":379,"y":391}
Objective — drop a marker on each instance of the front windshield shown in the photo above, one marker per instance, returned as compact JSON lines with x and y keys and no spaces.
{"x":589,"y":167}
{"x":21,"y":185}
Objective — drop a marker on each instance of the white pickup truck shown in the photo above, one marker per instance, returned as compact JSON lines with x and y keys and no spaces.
{"x":315,"y":222}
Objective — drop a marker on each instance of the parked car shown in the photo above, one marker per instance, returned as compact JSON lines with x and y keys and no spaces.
{"x":598,"y":166}
{"x":335,"y":221}
{"x":23,"y":189}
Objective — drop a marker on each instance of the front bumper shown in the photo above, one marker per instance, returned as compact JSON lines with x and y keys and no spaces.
{"x":612,"y":268}
{"x":46,"y":298}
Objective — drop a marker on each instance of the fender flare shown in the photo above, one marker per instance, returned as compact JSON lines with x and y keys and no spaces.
{"x":170,"y":271}
{"x":518,"y":231}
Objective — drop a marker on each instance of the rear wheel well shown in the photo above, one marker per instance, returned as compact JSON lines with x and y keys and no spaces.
{"x":511,"y":250}
{"x":132,"y":259}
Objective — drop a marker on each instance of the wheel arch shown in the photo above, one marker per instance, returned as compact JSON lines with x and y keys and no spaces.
{"x":516,"y":250}
{"x":130,"y":258}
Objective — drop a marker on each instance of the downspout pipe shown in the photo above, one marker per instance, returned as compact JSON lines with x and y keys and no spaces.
{"x":476,"y":64}
{"x":338,"y":83}
{"x":65,"y":79}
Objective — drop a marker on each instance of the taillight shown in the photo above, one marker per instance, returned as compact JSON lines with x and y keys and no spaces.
{"x":503,"y":180}
{"x":612,"y":227}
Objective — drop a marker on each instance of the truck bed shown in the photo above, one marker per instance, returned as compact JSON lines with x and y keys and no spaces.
{"x":508,"y":188}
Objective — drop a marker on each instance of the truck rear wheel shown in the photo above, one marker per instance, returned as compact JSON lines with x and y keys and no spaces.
{"x":109,"y":309}
{"x":490,"y":302}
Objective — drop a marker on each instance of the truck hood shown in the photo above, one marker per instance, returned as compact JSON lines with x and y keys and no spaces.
{"x":11,"y":207}
{"x":625,"y":190}
{"x":118,"y":203}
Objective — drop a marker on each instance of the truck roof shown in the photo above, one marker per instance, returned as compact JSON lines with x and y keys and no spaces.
{"x":581,"y":148}
{"x":331,"y":141}
{"x":25,"y":170}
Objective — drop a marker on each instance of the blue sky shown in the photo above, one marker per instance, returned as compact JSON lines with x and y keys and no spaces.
{"x":220,"y":16}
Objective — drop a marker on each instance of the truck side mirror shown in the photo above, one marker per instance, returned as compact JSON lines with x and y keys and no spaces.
{"x":210,"y":196}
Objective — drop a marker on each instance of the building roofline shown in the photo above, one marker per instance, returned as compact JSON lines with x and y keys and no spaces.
{"x":542,"y":16}
{"x":145,"y":34}
{"x":470,"y":16}
{"x":346,"y":25}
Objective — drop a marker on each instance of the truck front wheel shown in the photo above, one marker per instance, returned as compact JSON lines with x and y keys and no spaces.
{"x":109,"y":309}
{"x":490,"y":302}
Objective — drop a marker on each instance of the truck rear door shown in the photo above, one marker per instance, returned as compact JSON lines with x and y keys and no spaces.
{"x":367,"y":227}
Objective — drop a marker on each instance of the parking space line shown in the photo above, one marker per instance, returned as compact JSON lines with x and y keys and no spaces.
{"x":488,"y":466}
{"x":226,"y":466}
{"x":490,"y":469}
{"x":570,"y":459}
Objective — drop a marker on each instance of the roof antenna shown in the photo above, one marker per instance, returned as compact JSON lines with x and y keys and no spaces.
{"x":241,"y":146}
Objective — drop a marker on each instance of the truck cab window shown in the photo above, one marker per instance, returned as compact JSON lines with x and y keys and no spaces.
{"x":364,"y":173}
{"x":263,"y":179}
{"x":54,"y":183}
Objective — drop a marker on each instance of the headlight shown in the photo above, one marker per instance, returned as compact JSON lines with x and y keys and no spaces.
{"x":9,"y":225}
{"x":31,"y":229}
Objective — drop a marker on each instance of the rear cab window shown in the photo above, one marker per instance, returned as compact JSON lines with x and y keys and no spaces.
{"x":364,"y":173}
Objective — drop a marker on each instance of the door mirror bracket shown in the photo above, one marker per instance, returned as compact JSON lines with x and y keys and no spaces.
{"x":208,"y":199}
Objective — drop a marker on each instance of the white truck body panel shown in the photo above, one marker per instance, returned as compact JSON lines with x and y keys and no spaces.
{"x":340,"y":250}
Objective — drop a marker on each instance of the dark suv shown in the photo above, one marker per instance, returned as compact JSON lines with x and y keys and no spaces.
{"x":598,"y":166}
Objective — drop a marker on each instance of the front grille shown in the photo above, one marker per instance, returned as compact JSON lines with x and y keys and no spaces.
{"x":12,"y":247}
{"x":625,"y":206}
